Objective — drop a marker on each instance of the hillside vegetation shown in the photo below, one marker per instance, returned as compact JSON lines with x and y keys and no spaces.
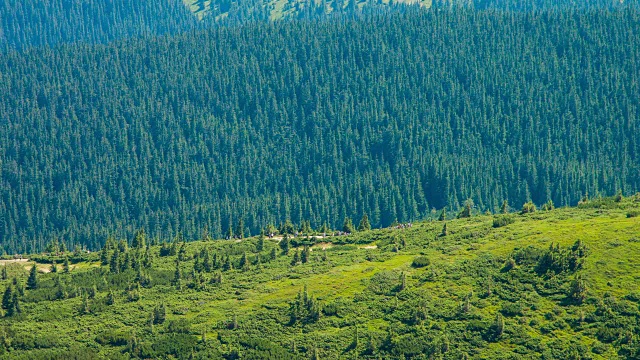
{"x":389,"y":115}
{"x":545,"y":283}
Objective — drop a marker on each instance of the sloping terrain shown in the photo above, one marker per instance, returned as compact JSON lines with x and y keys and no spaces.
{"x":555,"y":283}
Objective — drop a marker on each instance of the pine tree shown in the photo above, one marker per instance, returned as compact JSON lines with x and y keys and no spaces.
{"x":403,"y":281}
{"x":32,"y":281}
{"x":364,"y":223}
{"x":150,"y":322}
{"x":229,"y":234}
{"x":234,"y":323}
{"x":284,"y":244}
{"x":504,"y":209}
{"x":260,"y":244}
{"x":244,"y":261}
{"x":54,"y":267}
{"x":65,"y":266}
{"x":466,"y":210}
{"x":273,"y":254}
{"x":14,"y":305}
{"x":347,"y":226}
{"x":445,"y":232}
{"x":240,"y":229}
{"x":7,"y":297}
{"x":114,"y":263}
{"x":296,"y":258}
{"x":443,"y":215}
{"x":182,"y":254}
{"x":160,"y":314}
{"x":84,"y":305}
{"x":499,"y":325}
{"x":104,"y":255}
{"x":111,"y":298}
{"x":4,"y":272}
{"x":139,"y":239}
{"x":306,"y":254}
{"x":578,"y":290}
{"x":177,"y":277}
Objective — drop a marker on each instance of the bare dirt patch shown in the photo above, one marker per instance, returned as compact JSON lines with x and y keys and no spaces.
{"x":323,"y":245}
{"x":13,"y":261}
{"x":370,"y":247}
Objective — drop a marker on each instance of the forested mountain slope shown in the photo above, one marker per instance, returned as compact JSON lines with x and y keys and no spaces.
{"x":33,"y":23}
{"x":555,"y":284}
{"x":392,"y":117}
{"x":29,"y":23}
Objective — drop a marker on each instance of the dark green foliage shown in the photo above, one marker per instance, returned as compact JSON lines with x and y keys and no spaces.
{"x":466,"y":210}
{"x":504,"y":208}
{"x":578,"y":290}
{"x":634,"y":213}
{"x":348,"y":227}
{"x":444,"y":231}
{"x":160,"y":314}
{"x":417,"y":152}
{"x":443,"y":215}
{"x":558,"y":260}
{"x":304,"y":309}
{"x":284,"y":244}
{"x":32,"y":281}
{"x":364,"y":223}
{"x":420,"y":261}
{"x":528,"y":207}
{"x":502,"y":220}
{"x":260,"y":243}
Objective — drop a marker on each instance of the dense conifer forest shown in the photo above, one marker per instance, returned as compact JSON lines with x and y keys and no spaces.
{"x":317,"y":121}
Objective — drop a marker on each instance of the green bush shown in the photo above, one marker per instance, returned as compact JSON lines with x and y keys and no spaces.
{"x":633,"y":213}
{"x":502,"y":220}
{"x":420,"y":261}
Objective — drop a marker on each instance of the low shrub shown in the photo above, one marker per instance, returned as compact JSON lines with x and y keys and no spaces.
{"x":502,"y":220}
{"x":420,"y":261}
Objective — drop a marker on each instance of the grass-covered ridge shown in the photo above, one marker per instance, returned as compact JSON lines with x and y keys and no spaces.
{"x":555,"y":283}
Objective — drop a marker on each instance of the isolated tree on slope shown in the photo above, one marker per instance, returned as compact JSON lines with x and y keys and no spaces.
{"x":32,"y":282}
{"x":364,"y":223}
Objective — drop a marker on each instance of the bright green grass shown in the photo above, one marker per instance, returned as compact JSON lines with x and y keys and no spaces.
{"x":612,"y":267}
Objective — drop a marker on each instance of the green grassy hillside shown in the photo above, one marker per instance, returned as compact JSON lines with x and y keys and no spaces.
{"x":559,"y":283}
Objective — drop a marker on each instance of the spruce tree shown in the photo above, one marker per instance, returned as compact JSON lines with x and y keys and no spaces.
{"x":284,"y":244}
{"x":296,"y":258}
{"x":240,"y":229}
{"x":364,"y":223}
{"x":114,"y":263}
{"x":7,"y":297}
{"x":111,"y":298}
{"x":504,"y":209}
{"x":347,"y":226}
{"x":443,"y":215}
{"x":466,"y":210}
{"x":177,"y":277}
{"x":182,"y":254}
{"x":104,"y":255}
{"x":499,"y":325}
{"x":4,"y":272}
{"x":32,"y":281}
{"x":65,"y":266}
{"x":244,"y":261}
{"x":306,"y":254}
{"x":260,"y":244}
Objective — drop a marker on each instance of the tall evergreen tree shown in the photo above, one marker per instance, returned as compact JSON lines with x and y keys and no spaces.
{"x":32,"y":281}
